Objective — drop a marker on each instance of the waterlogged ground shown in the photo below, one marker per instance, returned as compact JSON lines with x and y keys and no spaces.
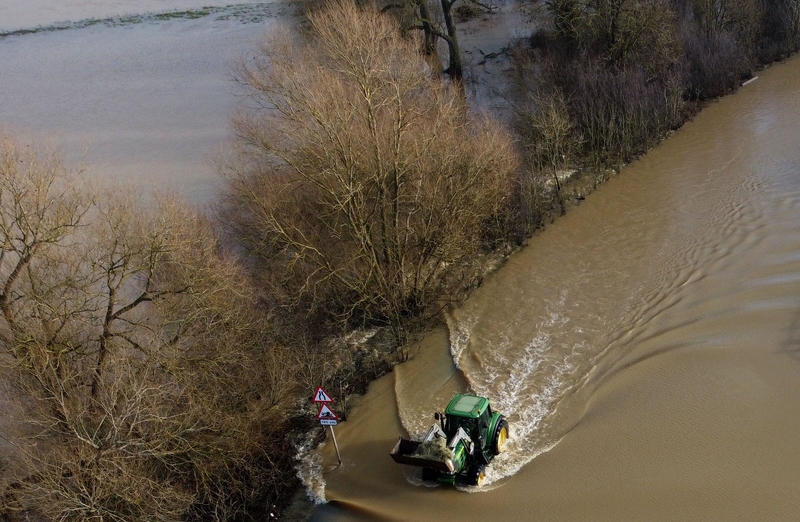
{"x":645,"y":348}
{"x":142,"y":99}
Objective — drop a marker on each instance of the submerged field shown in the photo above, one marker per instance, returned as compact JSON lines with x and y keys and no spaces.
{"x":141,"y":92}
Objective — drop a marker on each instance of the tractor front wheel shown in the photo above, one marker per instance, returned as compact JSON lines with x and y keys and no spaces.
{"x":500,"y":436}
{"x":476,"y":476}
{"x":430,"y":475}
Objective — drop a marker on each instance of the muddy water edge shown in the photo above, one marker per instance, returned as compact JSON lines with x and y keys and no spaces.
{"x":646,"y":347}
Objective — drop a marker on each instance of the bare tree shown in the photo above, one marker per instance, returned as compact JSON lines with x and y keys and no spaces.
{"x":568,"y":18}
{"x":132,"y":349}
{"x":363,"y":173}
{"x":39,"y":207}
{"x":621,"y":32}
{"x":739,"y":17}
{"x":418,"y":15}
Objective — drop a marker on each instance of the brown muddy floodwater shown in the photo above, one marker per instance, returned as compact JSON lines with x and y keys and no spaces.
{"x":646,"y":347}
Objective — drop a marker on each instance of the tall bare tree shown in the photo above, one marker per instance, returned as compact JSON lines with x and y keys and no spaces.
{"x":363,"y":173}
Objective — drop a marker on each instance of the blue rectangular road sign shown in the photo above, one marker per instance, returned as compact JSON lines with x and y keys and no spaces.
{"x":329,"y":422}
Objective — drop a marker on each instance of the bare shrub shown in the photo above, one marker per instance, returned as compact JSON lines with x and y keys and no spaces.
{"x":715,"y":64}
{"x":548,"y":135}
{"x":569,"y":21}
{"x":608,"y":106}
{"x":467,"y":11}
{"x":528,"y":206}
{"x":620,"y":113}
{"x":361,"y":174}
{"x":622,"y":95}
{"x":739,"y":18}
{"x":614,"y":114}
{"x":620,"y":32}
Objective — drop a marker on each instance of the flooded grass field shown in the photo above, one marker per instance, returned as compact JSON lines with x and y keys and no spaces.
{"x":143,"y":99}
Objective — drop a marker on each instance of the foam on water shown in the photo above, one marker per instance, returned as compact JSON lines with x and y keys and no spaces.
{"x":525,"y":384}
{"x":309,"y":468}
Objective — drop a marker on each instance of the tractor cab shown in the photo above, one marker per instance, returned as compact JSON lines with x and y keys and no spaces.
{"x":473,"y":414}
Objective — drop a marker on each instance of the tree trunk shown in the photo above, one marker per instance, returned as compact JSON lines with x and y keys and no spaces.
{"x":429,"y":49}
{"x":455,"y":69}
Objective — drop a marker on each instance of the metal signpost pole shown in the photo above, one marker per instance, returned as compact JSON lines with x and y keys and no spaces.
{"x":336,"y":445}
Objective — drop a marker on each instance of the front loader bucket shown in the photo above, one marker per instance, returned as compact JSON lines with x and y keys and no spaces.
{"x":402,"y":454}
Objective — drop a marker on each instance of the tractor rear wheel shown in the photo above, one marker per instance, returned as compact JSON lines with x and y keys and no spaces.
{"x":500,"y":436}
{"x":476,"y":475}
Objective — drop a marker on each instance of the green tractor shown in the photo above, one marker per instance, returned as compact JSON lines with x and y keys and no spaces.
{"x":456,"y":451}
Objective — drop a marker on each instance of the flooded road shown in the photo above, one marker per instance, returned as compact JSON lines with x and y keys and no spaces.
{"x":645,"y":347}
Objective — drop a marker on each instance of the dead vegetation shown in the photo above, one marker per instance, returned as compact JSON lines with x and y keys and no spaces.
{"x":434,"y":449}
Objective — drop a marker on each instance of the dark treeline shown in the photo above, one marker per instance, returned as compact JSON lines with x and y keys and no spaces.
{"x":604,"y":80}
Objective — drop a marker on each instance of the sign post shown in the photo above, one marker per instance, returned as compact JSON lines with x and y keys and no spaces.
{"x":326,"y":416}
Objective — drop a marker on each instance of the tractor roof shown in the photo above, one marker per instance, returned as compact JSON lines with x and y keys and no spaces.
{"x":469,"y":406}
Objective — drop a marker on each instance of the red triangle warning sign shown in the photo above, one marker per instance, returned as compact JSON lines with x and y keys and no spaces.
{"x":326,"y":413}
{"x":321,"y":395}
